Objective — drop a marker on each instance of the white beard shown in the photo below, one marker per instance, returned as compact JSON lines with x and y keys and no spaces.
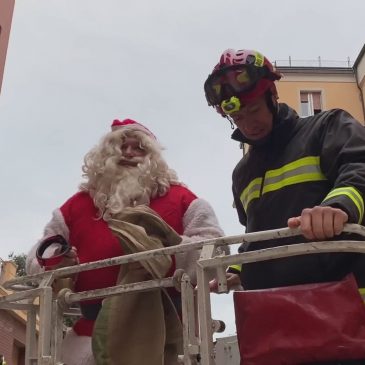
{"x":125,"y":186}
{"x":130,"y":189}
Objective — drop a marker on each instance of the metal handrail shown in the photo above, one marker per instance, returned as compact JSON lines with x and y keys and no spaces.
{"x":253,"y":237}
{"x":208,"y":262}
{"x":52,"y":308}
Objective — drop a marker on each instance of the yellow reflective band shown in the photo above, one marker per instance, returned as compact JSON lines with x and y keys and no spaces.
{"x":235,"y":267}
{"x":303,"y":170}
{"x":305,"y":161}
{"x":352,"y":194}
{"x":252,"y":196}
{"x":252,"y":191}
{"x":316,"y":176}
{"x":251,"y":186}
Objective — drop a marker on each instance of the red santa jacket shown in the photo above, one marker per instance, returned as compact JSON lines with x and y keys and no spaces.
{"x":95,"y":241}
{"x":77,"y":221}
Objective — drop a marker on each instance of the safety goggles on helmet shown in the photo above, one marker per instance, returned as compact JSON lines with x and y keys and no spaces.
{"x":233,"y":81}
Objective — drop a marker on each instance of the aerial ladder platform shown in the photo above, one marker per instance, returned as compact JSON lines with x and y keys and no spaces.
{"x":46,"y":310}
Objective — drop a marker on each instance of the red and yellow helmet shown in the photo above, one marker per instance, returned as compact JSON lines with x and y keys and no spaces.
{"x":243,"y":75}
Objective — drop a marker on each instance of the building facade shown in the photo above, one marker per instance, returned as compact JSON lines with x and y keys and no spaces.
{"x":6,"y":15}
{"x":311,"y":89}
{"x":12,"y":323}
{"x":359,"y":69}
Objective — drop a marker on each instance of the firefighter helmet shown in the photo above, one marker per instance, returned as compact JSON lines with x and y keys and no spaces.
{"x":244,"y":74}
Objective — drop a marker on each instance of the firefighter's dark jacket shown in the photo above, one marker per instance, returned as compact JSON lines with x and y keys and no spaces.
{"x":305,"y":162}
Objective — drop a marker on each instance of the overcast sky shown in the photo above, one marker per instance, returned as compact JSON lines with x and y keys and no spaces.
{"x":74,"y":66}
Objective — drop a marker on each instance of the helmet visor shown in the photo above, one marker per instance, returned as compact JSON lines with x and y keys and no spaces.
{"x":232,"y":81}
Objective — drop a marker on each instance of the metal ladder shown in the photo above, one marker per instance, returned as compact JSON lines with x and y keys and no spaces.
{"x":46,"y":310}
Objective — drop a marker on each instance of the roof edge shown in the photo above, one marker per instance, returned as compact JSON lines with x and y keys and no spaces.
{"x":316,"y":70}
{"x":359,"y":57}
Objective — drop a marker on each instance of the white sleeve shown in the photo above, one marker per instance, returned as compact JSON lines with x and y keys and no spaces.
{"x":55,"y":226}
{"x":199,"y":223}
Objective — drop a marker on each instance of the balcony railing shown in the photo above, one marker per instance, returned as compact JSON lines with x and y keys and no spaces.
{"x":319,"y":62}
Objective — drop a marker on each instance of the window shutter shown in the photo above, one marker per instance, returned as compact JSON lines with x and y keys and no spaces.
{"x":317,"y":105}
{"x":304,"y":97}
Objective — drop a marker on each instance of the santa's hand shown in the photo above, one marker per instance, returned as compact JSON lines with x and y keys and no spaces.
{"x":70,"y":258}
{"x":319,"y":223}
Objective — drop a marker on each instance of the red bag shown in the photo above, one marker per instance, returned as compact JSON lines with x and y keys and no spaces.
{"x":301,"y":324}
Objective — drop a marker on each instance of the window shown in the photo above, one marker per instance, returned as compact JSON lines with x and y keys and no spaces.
{"x":310,"y":103}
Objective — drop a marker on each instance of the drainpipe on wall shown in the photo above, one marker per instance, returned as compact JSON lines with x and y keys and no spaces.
{"x":361,"y":94}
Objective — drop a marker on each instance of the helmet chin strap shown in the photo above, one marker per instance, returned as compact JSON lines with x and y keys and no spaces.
{"x":230,"y":120}
{"x":271,"y":104}
{"x":232,"y":124}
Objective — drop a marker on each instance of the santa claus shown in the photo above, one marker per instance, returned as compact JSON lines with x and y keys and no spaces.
{"x":125,"y":169}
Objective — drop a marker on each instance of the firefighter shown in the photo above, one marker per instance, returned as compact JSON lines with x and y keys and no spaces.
{"x":297,"y":172}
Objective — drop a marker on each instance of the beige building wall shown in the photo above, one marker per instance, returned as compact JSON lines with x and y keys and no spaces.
{"x":337,"y":90}
{"x":359,"y":67}
{"x":6,"y":15}
{"x":12,"y":322}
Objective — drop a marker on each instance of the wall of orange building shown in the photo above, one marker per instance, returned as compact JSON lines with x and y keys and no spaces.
{"x":344,"y":95}
{"x":360,"y":72}
{"x":6,"y":15}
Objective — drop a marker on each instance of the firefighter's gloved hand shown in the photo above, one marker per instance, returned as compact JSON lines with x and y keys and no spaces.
{"x":320,"y":223}
{"x":233,"y":282}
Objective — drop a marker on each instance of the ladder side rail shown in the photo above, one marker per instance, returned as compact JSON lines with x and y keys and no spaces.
{"x":31,"y":336}
{"x":284,"y":251}
{"x":15,"y":297}
{"x":57,"y":330}
{"x":71,"y":297}
{"x":125,"y":259}
{"x":189,"y":316}
{"x":17,"y":306}
{"x":45,"y":325}
{"x":220,"y":241}
{"x":205,"y":317}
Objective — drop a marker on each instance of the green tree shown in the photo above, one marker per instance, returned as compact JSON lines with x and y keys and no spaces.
{"x":19,"y":262}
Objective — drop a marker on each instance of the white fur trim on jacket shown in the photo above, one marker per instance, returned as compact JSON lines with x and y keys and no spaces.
{"x":55,"y":226}
{"x":200,"y":223}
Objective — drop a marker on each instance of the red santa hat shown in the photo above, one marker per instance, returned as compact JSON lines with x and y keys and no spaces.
{"x":132,"y":125}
